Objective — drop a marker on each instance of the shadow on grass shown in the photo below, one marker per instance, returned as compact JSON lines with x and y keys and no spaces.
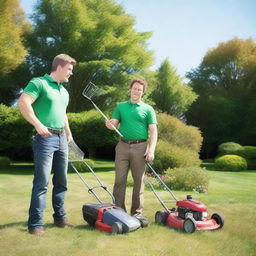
{"x":84,"y":227}
{"x":80,"y":227}
{"x":13,"y":224}
{"x":18,"y":170}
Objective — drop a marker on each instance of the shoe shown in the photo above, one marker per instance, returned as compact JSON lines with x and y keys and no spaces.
{"x":36,"y":231}
{"x":63,"y":224}
{"x":142,"y":219}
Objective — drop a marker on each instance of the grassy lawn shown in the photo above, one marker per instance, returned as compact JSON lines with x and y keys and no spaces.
{"x":231,"y":194}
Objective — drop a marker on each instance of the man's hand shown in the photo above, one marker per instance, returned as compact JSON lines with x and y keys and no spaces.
{"x":42,"y":131}
{"x":111,"y":122}
{"x":149,"y":155}
{"x":69,"y":137}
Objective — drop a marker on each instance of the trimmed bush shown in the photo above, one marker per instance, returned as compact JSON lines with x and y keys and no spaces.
{"x":4,"y":162}
{"x":230,"y":148}
{"x":231,"y":163}
{"x":249,"y":152}
{"x":170,"y":156}
{"x":89,"y":131}
{"x":188,"y":178}
{"x":16,"y":132}
{"x":178,"y":133}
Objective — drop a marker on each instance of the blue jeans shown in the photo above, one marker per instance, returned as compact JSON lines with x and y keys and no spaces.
{"x":49,"y":154}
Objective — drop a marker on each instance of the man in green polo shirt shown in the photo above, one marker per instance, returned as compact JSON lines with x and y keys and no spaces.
{"x":137,"y":123}
{"x":43,"y":104}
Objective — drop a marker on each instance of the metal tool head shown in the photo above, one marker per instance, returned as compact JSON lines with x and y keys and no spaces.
{"x":91,"y":91}
{"x":74,"y":152}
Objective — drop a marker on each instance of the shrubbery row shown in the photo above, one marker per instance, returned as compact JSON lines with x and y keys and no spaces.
{"x":234,"y":157}
{"x":178,"y":144}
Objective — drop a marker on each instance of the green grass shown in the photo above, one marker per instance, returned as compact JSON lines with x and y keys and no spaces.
{"x":230,"y":193}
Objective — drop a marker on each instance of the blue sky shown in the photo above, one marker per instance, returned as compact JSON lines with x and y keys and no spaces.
{"x":184,"y":30}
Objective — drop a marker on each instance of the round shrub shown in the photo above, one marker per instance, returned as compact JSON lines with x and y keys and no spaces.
{"x":4,"y":161}
{"x":170,"y":156}
{"x":230,"y":148}
{"x":188,"y":178}
{"x":249,"y":152}
{"x":178,"y":133}
{"x":231,"y":163}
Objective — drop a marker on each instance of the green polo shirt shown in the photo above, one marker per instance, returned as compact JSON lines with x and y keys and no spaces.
{"x":51,"y":100}
{"x":134,"y":119}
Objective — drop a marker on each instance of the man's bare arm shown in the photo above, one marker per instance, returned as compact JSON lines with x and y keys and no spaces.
{"x":25,"y":105}
{"x":150,"y":152}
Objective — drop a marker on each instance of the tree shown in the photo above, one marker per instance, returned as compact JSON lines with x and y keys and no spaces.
{"x":99,"y":35}
{"x":225,"y":82}
{"x":12,"y":29}
{"x":171,"y":95}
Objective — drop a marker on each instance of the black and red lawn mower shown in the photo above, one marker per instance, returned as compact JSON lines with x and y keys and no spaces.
{"x":189,"y":215}
{"x":103,"y":216}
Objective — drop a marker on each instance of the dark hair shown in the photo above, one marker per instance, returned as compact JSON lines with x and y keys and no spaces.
{"x":140,"y":81}
{"x":62,"y":60}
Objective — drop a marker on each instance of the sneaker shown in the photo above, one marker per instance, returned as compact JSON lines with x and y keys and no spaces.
{"x":36,"y":231}
{"x":63,"y":224}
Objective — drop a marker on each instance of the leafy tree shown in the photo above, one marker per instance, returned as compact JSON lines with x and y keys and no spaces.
{"x":225,"y":81}
{"x":171,"y":95}
{"x":99,"y":35}
{"x":12,"y":29}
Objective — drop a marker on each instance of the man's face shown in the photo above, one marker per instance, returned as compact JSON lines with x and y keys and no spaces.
{"x":136,"y":92}
{"x":65,"y":72}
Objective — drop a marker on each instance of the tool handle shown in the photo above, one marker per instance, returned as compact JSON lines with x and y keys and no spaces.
{"x":107,"y":119}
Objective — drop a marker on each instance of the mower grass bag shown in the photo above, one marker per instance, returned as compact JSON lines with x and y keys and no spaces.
{"x":109,"y":218}
{"x":103,"y":216}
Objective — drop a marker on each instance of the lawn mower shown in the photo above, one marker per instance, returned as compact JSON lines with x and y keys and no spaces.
{"x":103,"y":216}
{"x":189,"y":215}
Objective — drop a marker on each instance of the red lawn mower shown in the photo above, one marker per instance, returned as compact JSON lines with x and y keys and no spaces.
{"x":189,"y":215}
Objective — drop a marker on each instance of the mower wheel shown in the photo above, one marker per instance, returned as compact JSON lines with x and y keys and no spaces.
{"x":189,"y":225}
{"x":160,"y":217}
{"x":219,"y":219}
{"x":117,"y":228}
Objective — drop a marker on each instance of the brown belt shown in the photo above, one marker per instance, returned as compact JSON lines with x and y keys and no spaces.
{"x":133,"y":141}
{"x":55,"y":131}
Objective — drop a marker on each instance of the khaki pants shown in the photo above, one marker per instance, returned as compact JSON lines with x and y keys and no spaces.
{"x":130,"y":156}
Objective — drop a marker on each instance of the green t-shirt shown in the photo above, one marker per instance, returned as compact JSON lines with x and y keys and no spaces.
{"x":134,"y":119}
{"x":51,"y":100}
